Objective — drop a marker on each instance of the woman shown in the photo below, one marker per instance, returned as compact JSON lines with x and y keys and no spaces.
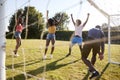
{"x":51,"y":25}
{"x":18,"y":31}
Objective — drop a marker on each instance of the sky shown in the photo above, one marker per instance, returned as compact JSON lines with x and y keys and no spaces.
{"x":79,"y":9}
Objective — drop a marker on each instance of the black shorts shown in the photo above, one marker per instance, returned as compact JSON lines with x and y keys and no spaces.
{"x":95,"y":47}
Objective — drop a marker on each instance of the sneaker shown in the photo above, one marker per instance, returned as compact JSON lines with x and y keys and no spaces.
{"x":44,"y":57}
{"x":94,"y":74}
{"x":16,"y":55}
{"x":68,"y":54}
{"x":89,"y":71}
{"x":51,"y":56}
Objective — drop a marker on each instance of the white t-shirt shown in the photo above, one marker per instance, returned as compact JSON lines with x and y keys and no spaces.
{"x":78,"y":30}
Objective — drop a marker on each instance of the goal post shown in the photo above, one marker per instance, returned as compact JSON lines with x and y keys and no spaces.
{"x":113,"y":34}
{"x":114,"y":39}
{"x":2,"y":41}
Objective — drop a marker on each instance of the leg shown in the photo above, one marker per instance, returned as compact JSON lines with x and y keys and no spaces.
{"x":18,"y":43}
{"x":52,"y":49}
{"x":79,"y":41}
{"x":47,"y":44}
{"x":93,"y":59}
{"x":73,"y":42}
{"x":80,"y":47}
{"x":70,"y":48}
{"x":85,"y":53}
{"x":96,"y":49}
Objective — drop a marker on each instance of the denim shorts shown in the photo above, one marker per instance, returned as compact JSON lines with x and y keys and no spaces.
{"x":17,"y":34}
{"x":77,"y":40}
{"x":50,"y":36}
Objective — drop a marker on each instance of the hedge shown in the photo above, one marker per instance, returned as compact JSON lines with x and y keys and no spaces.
{"x":65,"y":35}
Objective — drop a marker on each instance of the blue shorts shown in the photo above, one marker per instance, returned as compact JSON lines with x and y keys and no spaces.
{"x":17,"y":34}
{"x":50,"y":36}
{"x":76,"y":40}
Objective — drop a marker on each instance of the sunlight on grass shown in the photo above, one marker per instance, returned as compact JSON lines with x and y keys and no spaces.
{"x":60,"y":67}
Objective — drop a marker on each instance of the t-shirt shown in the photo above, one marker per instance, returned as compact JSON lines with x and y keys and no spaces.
{"x":95,"y":33}
{"x":19,"y":28}
{"x":78,"y":30}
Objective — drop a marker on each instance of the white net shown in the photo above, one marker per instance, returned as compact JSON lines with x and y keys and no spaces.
{"x":114,"y":48}
{"x":41,"y":68}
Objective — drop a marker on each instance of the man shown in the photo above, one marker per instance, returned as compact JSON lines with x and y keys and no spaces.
{"x":96,"y":44}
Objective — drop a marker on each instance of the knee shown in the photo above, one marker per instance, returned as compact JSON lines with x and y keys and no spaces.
{"x":46,"y":47}
{"x":94,"y":57}
{"x":83,"y":58}
{"x":53,"y":46}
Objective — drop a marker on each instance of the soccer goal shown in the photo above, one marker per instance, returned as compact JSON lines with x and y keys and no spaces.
{"x":114,"y":39}
{"x":113,"y":30}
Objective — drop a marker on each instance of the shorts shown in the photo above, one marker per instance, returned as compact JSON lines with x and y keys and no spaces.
{"x":17,"y":34}
{"x":50,"y":36}
{"x":95,"y":47}
{"x":76,"y":40}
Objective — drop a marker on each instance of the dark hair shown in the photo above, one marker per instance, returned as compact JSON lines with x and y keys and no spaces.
{"x":51,"y":22}
{"x":98,"y":26}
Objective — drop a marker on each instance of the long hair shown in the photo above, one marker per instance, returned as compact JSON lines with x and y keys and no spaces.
{"x":51,"y":22}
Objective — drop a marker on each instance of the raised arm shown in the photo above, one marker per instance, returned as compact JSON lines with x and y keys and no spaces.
{"x":47,"y":18}
{"x":47,"y":15}
{"x":57,"y":22}
{"x":72,"y":19}
{"x":86,"y":20}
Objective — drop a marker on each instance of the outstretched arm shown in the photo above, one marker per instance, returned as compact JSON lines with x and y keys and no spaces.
{"x":47,"y":18}
{"x":86,"y":20}
{"x":72,"y":19}
{"x":47,"y":15}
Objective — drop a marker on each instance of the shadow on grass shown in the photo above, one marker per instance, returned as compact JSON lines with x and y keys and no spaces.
{"x":49,"y":67}
{"x":86,"y":76}
{"x":98,"y":78}
{"x":21,"y":64}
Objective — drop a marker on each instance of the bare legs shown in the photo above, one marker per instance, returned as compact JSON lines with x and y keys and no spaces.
{"x":70,"y":49}
{"x":47,"y":44}
{"x":18,"y":44}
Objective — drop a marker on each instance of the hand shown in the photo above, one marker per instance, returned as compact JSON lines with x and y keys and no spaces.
{"x":71,"y":14}
{"x":101,"y":56}
{"x":88,"y":14}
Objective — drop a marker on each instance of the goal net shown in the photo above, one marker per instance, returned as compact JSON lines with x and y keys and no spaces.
{"x":114,"y":39}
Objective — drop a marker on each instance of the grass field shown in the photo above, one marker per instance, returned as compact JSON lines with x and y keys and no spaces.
{"x":58,"y":68}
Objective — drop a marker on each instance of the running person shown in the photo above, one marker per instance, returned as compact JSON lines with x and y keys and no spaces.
{"x":18,"y":31}
{"x":77,"y":38}
{"x":51,"y":25}
{"x":96,"y":44}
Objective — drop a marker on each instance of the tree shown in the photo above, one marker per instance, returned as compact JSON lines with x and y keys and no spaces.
{"x":64,"y":22}
{"x":104,"y":27}
{"x":35,"y":22}
{"x":113,"y":28}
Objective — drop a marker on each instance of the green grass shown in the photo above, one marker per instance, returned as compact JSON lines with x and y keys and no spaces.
{"x":58,"y":68}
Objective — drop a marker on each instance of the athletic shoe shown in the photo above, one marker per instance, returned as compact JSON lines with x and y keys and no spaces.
{"x":44,"y":57}
{"x":68,"y":54}
{"x":16,"y":55}
{"x":94,"y":74}
{"x":89,"y":71}
{"x":51,"y":56}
